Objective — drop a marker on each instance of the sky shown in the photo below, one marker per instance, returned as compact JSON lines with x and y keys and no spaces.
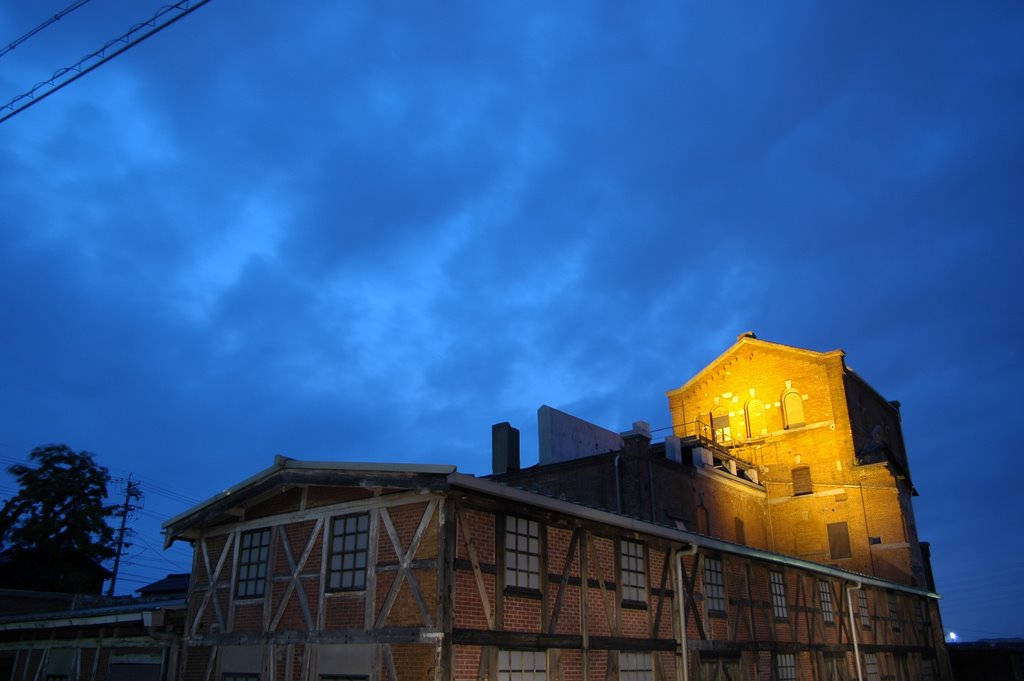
{"x":368,"y":231}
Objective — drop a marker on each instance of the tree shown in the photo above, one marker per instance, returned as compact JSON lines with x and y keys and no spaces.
{"x":53,"y":532}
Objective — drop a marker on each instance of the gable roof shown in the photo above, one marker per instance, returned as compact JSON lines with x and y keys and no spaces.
{"x":287,"y":472}
{"x":749,"y":339}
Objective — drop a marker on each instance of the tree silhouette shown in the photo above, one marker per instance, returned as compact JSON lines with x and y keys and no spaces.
{"x":53,"y":532}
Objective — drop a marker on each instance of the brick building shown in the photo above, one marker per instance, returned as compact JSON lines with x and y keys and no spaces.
{"x":769,"y":537}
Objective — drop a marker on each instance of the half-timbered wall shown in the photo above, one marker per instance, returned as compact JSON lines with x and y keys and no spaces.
{"x":351,"y":585}
{"x":582,"y":627}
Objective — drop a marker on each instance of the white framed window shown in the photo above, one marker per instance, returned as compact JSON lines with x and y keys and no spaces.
{"x":828,"y":615}
{"x":714,"y":585}
{"x":871,"y":671}
{"x":631,"y":563}
{"x":785,"y":667}
{"x":522,"y":665}
{"x":636,"y":667}
{"x":522,"y":553}
{"x":252,"y":563}
{"x":350,"y":540}
{"x":777,"y":586}
{"x":862,"y":606}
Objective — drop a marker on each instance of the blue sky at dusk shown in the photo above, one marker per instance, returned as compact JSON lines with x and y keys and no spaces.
{"x":368,"y":231}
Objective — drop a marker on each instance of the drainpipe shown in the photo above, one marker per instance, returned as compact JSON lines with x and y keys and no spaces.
{"x":681,"y":599}
{"x":618,"y":485}
{"x":853,"y":627}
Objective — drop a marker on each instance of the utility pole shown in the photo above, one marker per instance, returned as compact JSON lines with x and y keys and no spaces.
{"x":131,"y":491}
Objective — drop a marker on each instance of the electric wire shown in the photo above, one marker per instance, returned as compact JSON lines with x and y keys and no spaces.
{"x":132,"y":37}
{"x":56,"y":17}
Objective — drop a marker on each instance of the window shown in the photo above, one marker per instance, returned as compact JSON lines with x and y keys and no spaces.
{"x":801,"y":480}
{"x":741,"y":533}
{"x":636,"y":667}
{"x":825,"y":594}
{"x":228,"y":676}
{"x":252,"y":563}
{"x":894,"y":615}
{"x":792,"y":410}
{"x":756,"y":425}
{"x":777,"y":583}
{"x":921,"y":624}
{"x":839,"y":540}
{"x":344,"y":677}
{"x":350,"y":537}
{"x":631,"y":559}
{"x":522,"y":553}
{"x":714,"y":585}
{"x":521,"y":665}
{"x":720,"y":425}
{"x":871,"y":672}
{"x":862,"y":605}
{"x":928,"y":671}
{"x":785,"y":667}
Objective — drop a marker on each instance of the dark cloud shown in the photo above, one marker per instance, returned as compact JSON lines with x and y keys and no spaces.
{"x":370,"y":233}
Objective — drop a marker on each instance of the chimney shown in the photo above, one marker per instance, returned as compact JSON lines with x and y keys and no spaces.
{"x":638,"y":439}
{"x":504,"y":448}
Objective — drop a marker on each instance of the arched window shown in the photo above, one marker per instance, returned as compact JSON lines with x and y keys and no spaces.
{"x":792,"y":409}
{"x":722,"y":433}
{"x":801,"y":480}
{"x":756,"y":426}
{"x":703,"y":519}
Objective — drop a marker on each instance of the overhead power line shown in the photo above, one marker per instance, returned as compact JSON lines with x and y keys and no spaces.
{"x":164,"y":17}
{"x":56,"y":17}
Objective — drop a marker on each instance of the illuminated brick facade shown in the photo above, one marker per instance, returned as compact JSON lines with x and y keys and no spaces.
{"x":828,"y":450}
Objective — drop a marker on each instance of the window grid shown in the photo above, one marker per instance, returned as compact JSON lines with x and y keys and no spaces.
{"x":862,"y":605}
{"x":636,"y":667}
{"x":928,"y":670}
{"x":825,"y":593}
{"x":522,"y":665}
{"x":894,"y":616}
{"x":631,"y":558}
{"x":522,"y":553}
{"x":921,"y":623}
{"x":714,"y":585}
{"x":871,"y":667}
{"x":252,"y":563}
{"x":785,"y":667}
{"x":777,"y":584}
{"x":350,"y":539}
